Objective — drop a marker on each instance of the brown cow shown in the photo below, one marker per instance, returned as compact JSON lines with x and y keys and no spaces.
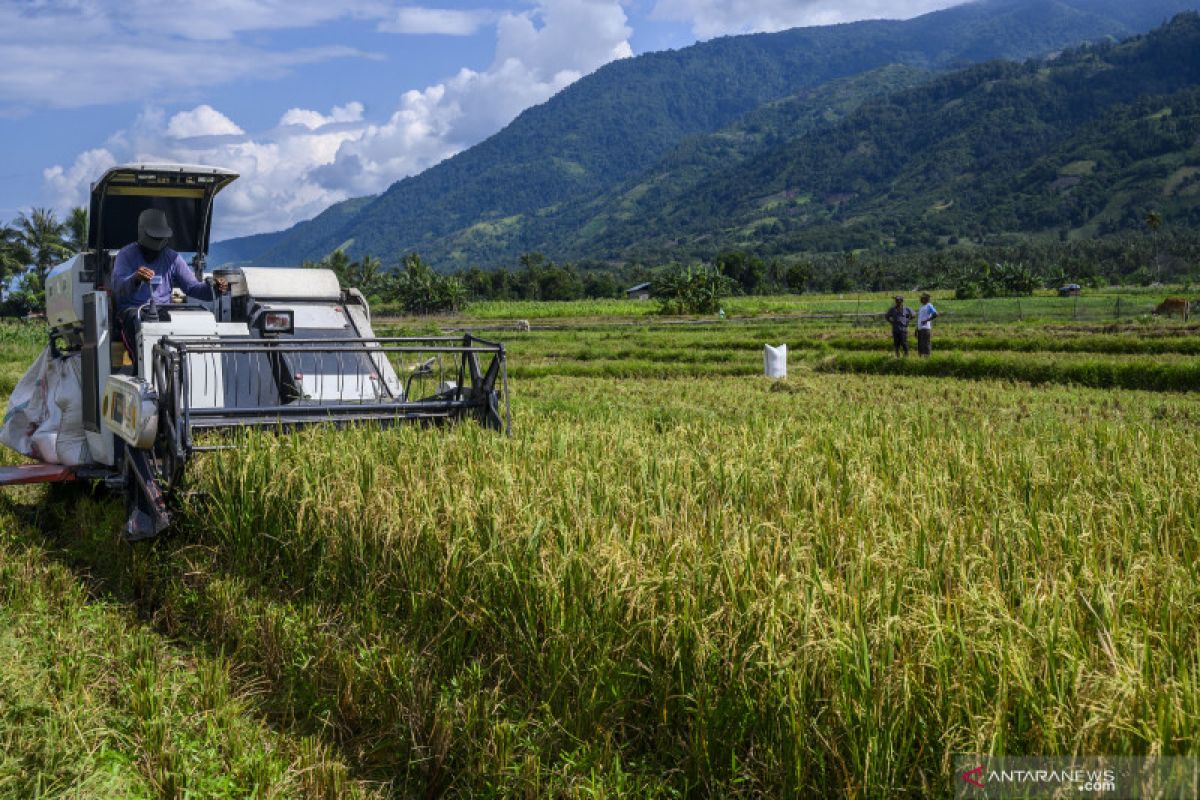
{"x":1173,"y":307}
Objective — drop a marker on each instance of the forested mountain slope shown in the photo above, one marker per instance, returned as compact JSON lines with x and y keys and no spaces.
{"x":521,"y":189}
{"x":1086,"y":143}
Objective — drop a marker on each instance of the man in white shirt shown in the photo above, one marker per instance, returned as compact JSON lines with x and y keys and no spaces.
{"x":925,"y":316}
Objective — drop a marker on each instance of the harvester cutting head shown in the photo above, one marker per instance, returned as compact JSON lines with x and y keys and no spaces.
{"x":280,"y":348}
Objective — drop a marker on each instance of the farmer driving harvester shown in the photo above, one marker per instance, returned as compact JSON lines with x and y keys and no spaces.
{"x":146,"y":271}
{"x":273,"y":348}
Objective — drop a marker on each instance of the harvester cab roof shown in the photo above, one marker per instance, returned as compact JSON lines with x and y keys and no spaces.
{"x":279,"y":348}
{"x":184,"y":192}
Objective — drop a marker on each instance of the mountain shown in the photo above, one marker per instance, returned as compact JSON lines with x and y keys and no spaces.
{"x":582,"y":226}
{"x":523,"y":188}
{"x":1082,"y":144}
{"x":250,"y":249}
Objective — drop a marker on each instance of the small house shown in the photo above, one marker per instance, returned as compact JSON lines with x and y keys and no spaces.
{"x":1070,"y":290}
{"x":639,"y":292}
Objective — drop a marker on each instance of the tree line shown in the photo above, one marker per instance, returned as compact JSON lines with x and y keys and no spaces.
{"x":993,"y":268}
{"x":29,"y":246}
{"x":38,"y":239}
{"x":416,"y":288}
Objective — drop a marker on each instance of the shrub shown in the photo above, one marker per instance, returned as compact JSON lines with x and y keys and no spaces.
{"x":420,"y":290}
{"x":691,"y":290}
{"x":968,"y":291}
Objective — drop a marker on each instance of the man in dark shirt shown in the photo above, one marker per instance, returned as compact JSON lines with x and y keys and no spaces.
{"x":147,"y":270}
{"x":900,"y":315}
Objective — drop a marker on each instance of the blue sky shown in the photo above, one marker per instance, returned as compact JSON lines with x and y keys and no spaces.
{"x":314,"y":101}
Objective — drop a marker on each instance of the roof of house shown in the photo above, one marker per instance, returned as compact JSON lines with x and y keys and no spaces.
{"x":639,"y":287}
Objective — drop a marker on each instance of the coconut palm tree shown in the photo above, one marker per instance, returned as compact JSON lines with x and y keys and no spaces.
{"x":369,"y":275}
{"x":14,"y":255}
{"x":1154,"y":221}
{"x":44,"y":235}
{"x":77,"y":227}
{"x":340,"y":263}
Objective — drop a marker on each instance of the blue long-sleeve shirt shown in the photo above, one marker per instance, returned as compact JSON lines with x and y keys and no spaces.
{"x":131,"y":292}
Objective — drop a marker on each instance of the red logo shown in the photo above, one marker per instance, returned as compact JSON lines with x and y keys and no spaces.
{"x":971,"y":775}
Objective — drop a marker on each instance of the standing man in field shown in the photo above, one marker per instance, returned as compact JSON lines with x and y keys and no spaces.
{"x":900,"y":315}
{"x":925,"y":317}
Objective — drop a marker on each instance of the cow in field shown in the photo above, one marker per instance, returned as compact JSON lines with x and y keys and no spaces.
{"x":1173,"y":307}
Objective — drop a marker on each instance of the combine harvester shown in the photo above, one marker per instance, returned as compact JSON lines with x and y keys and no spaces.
{"x":281,"y":348}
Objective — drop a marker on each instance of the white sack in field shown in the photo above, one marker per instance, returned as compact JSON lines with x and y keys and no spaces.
{"x":775,"y":361}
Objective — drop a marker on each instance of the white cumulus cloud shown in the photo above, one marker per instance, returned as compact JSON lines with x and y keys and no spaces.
{"x":312,"y":159}
{"x":710,"y":18}
{"x":305,"y":117}
{"x":277,"y":187}
{"x":418,"y":20}
{"x":203,"y":120}
{"x":538,"y":53}
{"x":69,"y":187}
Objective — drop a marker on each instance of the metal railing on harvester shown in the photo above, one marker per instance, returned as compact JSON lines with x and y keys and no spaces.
{"x":285,"y":382}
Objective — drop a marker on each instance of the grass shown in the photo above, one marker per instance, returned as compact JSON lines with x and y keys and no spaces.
{"x":1157,"y":358}
{"x":718,"y":586}
{"x":676,"y":579}
{"x":1153,"y":374}
{"x":1098,"y":304}
{"x":1024,"y":341}
{"x":95,"y":704}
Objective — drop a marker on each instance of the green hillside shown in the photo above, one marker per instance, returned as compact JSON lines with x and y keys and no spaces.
{"x":251,"y":249}
{"x":586,"y":226}
{"x":1081,"y":145}
{"x":519,"y":190}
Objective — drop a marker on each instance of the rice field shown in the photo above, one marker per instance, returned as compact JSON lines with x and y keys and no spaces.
{"x":97,"y":703}
{"x":676,"y":578}
{"x":1108,"y":305}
